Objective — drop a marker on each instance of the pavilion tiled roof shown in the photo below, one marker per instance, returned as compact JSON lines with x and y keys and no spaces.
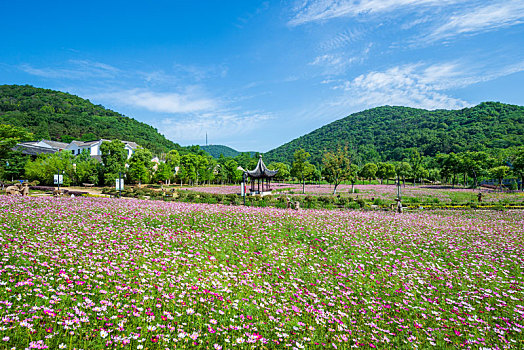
{"x":261,"y":171}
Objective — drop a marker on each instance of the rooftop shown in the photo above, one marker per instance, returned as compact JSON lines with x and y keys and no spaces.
{"x":261,"y":171}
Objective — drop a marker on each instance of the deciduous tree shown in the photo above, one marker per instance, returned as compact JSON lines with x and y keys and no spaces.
{"x":337,"y":166}
{"x":299,"y":165}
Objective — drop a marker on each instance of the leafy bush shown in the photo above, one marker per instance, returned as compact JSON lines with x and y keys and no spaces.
{"x":379,"y":202}
{"x":326,"y":199}
{"x":343,"y":201}
{"x":353,"y":205}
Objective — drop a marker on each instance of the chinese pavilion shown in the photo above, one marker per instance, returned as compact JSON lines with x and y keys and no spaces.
{"x":260,"y":178}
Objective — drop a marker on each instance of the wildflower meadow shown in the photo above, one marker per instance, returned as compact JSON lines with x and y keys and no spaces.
{"x":97,"y":273}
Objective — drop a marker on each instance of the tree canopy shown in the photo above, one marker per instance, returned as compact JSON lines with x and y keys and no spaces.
{"x":60,"y":116}
{"x":389,"y":133}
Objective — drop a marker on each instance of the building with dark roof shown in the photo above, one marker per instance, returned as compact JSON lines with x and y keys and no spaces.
{"x":34,"y":148}
{"x":261,"y":178}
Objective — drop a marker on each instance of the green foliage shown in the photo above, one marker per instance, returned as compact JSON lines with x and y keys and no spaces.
{"x":402,"y":169}
{"x":387,"y":133}
{"x":216,"y":150}
{"x":163,"y":173}
{"x":230,"y":169}
{"x":284,"y":170}
{"x":299,"y":164}
{"x":173,"y":159}
{"x":10,"y":136}
{"x":13,"y":166}
{"x":311,"y":172}
{"x":56,"y":115}
{"x":499,"y":172}
{"x":12,"y":163}
{"x":385,"y":171}
{"x":518,"y":163}
{"x":45,"y":166}
{"x":195,"y":167}
{"x":337,"y":166}
{"x":114,"y":158}
{"x":140,"y":166}
{"x":369,"y":171}
{"x":85,"y":169}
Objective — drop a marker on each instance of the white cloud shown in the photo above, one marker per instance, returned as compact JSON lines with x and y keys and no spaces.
{"x":482,"y":18}
{"x":334,"y":64}
{"x":413,"y":85}
{"x":330,"y":60}
{"x":467,"y":17}
{"x":338,"y":63}
{"x":419,"y":85}
{"x":220,"y":126}
{"x":342,"y":39}
{"x":73,"y":69}
{"x":320,"y":10}
{"x":187,"y":102}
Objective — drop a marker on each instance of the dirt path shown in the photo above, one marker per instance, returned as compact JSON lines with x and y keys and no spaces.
{"x":90,"y":190}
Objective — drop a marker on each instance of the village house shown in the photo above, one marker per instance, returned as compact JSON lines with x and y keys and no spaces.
{"x":93,"y":147}
{"x":34,"y":148}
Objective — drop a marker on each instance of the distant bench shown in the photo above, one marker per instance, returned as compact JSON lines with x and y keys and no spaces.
{"x":88,"y":185}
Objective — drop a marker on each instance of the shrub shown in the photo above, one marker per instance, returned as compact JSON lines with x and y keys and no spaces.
{"x":231,"y":197}
{"x":361,"y":202}
{"x":326,"y":199}
{"x":353,"y":205}
{"x":343,"y":201}
{"x":379,"y":202}
{"x":310,"y":198}
{"x":212,"y":200}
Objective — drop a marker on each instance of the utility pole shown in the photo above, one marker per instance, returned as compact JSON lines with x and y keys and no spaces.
{"x":243,"y":189}
{"x":120,"y":184}
{"x":399,"y":196}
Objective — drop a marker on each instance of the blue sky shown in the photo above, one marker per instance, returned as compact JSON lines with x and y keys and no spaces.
{"x":257,"y":74}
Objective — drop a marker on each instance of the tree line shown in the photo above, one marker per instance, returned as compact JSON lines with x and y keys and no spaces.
{"x":388,"y":133}
{"x":193,"y":166}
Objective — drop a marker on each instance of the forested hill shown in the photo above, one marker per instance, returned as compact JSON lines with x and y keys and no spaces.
{"x":386,"y":133}
{"x":216,"y":150}
{"x":60,"y":116}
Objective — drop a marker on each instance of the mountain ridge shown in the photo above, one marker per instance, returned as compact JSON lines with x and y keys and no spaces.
{"x":386,"y":132}
{"x":60,"y":116}
{"x":216,"y":150}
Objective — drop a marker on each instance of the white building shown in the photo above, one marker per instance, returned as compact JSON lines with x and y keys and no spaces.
{"x":93,"y":147}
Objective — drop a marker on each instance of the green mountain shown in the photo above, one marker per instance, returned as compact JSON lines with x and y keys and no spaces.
{"x":216,"y":150}
{"x":60,"y":116}
{"x":386,"y":133}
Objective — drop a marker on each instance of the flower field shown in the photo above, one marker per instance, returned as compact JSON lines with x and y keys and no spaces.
{"x":441,"y":194}
{"x":92,"y":273}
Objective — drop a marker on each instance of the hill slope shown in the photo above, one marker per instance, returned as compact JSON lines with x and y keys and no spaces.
{"x":385,"y":133}
{"x":216,"y":150}
{"x":61,"y":116}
